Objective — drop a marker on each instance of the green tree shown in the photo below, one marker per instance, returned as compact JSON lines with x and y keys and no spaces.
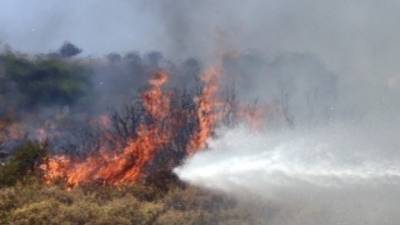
{"x":47,"y":81}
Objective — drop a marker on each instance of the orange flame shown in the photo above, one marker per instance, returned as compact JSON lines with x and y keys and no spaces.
{"x":123,"y":167}
{"x":126,"y":166}
{"x":207,"y":113}
{"x":155,"y":101}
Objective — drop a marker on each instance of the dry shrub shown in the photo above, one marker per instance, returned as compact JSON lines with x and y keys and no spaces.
{"x":34,"y":203}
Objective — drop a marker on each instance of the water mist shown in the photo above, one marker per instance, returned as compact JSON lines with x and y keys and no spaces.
{"x":337,"y":174}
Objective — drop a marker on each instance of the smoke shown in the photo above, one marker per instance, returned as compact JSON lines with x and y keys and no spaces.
{"x":353,"y":40}
{"x":342,"y":173}
{"x":349,"y":35}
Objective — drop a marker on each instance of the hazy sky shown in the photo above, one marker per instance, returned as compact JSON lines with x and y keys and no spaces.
{"x":357,"y":39}
{"x":349,"y":36}
{"x":355,"y":31}
{"x":96,"y":26}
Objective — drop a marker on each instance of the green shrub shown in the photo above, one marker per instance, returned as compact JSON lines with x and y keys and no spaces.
{"x":24,"y":161}
{"x":46,"y":81}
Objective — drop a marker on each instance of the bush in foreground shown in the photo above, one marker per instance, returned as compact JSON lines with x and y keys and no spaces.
{"x":34,"y":203}
{"x":158,"y":200}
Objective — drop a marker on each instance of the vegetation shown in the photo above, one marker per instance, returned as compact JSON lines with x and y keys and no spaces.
{"x":23,"y":162}
{"x":31,"y":85}
{"x":69,"y":50}
{"x":158,"y":200}
{"x":34,"y":203}
{"x":43,"y":80}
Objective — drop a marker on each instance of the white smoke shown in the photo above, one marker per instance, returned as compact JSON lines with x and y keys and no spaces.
{"x":339,"y":174}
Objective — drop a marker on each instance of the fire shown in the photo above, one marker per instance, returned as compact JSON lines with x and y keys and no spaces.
{"x":151,"y":137}
{"x":155,"y":101}
{"x":55,"y":168}
{"x":207,"y":113}
{"x":105,"y":167}
{"x":125,"y":169}
{"x":121,"y":167}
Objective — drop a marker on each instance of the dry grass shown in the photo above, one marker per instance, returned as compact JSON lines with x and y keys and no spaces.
{"x":33,"y":203}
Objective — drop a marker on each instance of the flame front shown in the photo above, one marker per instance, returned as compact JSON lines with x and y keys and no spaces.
{"x":207,"y":111}
{"x":127,"y":166}
{"x":155,"y":101}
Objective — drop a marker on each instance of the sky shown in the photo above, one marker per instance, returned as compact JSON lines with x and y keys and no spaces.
{"x":350,"y":37}
{"x":339,"y":30}
{"x":96,"y":26}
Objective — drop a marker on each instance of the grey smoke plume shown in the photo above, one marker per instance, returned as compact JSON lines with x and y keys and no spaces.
{"x":354,"y":40}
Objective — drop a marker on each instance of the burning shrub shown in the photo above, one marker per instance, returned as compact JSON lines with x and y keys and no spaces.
{"x":162,"y":127}
{"x":165,"y":123}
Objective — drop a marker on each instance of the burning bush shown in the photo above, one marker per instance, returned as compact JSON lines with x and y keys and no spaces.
{"x":167,"y":121}
{"x":161,"y":127}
